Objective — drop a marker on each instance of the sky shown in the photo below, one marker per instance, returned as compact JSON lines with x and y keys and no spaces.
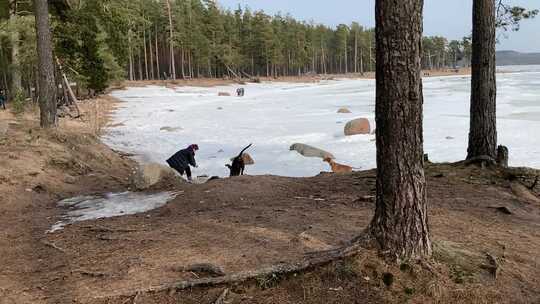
{"x":448,"y":18}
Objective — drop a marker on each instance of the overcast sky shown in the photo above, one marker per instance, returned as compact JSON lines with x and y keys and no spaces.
{"x":449,"y":18}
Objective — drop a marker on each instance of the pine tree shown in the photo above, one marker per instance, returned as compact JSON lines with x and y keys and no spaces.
{"x":483,"y":123}
{"x":400,"y":224}
{"x":47,"y":85}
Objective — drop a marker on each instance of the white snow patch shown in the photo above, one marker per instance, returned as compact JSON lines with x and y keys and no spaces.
{"x":84,"y":208}
{"x":273,"y":116}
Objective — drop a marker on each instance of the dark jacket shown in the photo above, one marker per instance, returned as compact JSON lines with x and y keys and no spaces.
{"x":183,"y":158}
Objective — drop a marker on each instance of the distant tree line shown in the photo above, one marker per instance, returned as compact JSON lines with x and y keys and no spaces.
{"x":100,"y":41}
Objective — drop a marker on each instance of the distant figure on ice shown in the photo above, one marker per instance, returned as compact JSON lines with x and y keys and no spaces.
{"x":182,"y":159}
{"x":2,"y":99}
{"x":240,"y":92}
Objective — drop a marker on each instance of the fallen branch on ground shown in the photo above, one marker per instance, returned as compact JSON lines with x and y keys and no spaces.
{"x":310,"y":261}
{"x":222,"y":297}
{"x":52,"y":245}
{"x":207,"y":268}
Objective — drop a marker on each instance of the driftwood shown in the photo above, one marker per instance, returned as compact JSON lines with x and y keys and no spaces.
{"x":232,"y":72}
{"x":310,"y":261}
{"x":65,"y":84}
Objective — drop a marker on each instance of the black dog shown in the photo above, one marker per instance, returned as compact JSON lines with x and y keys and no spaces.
{"x":238,"y":165}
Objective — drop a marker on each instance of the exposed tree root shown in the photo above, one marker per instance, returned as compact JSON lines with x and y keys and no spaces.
{"x":481,"y":159}
{"x":310,"y":261}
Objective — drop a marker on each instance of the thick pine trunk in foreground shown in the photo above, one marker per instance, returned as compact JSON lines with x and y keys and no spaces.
{"x":400,"y":224}
{"x":483,"y":125}
{"x":47,"y":87}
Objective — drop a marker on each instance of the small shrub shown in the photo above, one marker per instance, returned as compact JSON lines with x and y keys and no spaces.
{"x":388,"y":279}
{"x":18,"y":102}
{"x":409,"y":291}
{"x":346,"y":270}
{"x":265,"y":282}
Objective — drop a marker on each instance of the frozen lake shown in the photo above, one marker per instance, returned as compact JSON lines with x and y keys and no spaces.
{"x":155,"y":122}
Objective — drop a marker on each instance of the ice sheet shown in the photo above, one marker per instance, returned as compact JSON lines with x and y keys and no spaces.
{"x":157,"y":121}
{"x":83,"y":208}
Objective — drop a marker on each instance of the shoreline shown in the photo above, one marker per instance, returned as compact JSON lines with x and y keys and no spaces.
{"x":212,"y":82}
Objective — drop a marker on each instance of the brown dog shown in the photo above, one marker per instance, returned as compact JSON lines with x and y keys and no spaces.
{"x":338,"y":168}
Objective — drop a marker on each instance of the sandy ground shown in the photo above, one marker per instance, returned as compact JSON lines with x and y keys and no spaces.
{"x":246,"y":223}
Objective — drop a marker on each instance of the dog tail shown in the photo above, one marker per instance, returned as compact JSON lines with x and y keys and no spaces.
{"x":249,"y":146}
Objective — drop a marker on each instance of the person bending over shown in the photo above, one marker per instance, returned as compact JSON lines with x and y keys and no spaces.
{"x":182,"y":159}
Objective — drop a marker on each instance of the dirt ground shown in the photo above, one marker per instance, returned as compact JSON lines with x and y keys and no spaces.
{"x":247,"y":223}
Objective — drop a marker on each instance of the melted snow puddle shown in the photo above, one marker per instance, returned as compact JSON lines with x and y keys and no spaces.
{"x":84,"y":208}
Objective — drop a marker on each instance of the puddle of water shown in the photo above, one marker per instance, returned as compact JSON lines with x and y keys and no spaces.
{"x":84,"y":208}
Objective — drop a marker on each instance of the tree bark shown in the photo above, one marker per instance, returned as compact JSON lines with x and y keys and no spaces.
{"x":130,"y":51}
{"x":145,"y":54}
{"x":361,"y":61}
{"x":356,"y":52}
{"x":141,"y":77}
{"x":157,"y":56}
{"x":47,"y":87}
{"x":400,"y":224}
{"x":345,"y":56}
{"x":483,"y":124}
{"x":152,"y":74}
{"x":16,"y":82}
{"x":171,"y":42}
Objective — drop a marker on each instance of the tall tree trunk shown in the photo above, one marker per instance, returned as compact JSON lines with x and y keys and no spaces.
{"x":346,"y":59}
{"x":400,"y":224}
{"x":153,"y":75}
{"x":370,"y":63}
{"x":190,"y":64}
{"x":157,"y":56}
{"x":47,"y":87}
{"x":362,"y":61}
{"x":130,"y":50}
{"x":16,"y":82}
{"x":182,"y":63}
{"x":356,"y":52}
{"x":171,"y":40}
{"x":483,"y":124}
{"x":145,"y":55}
{"x":140,"y":64}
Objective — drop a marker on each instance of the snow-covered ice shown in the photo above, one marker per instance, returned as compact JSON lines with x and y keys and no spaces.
{"x":83,"y":208}
{"x":157,"y":121}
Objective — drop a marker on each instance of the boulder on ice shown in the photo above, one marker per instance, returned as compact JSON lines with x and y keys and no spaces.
{"x":309,"y":151}
{"x":344,"y":111}
{"x":357,"y":126}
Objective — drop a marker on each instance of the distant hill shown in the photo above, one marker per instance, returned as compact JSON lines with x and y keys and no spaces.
{"x":517,"y":58}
